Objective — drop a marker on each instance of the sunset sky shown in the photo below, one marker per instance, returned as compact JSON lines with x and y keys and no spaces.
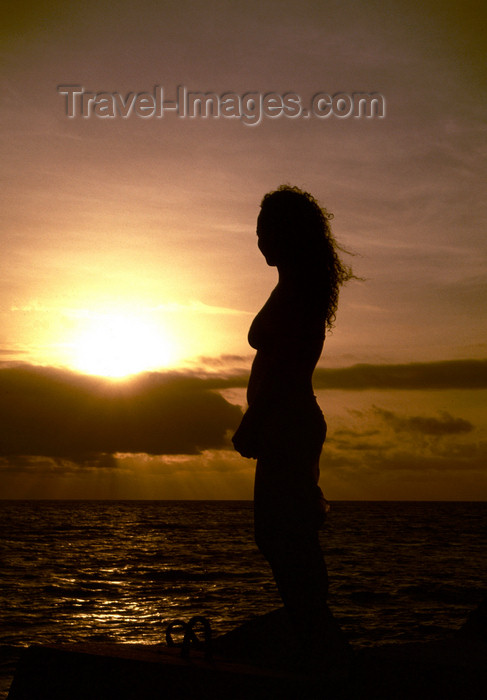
{"x":129,"y":247}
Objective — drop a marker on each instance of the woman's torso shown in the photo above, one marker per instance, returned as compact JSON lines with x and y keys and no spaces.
{"x":288,"y":334}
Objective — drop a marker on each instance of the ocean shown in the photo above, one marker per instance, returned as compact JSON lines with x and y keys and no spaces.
{"x":119,"y":571}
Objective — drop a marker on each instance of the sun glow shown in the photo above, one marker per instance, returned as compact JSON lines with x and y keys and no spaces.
{"x":118,"y":345}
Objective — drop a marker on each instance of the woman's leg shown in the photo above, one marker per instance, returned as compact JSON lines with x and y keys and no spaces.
{"x":287,"y":517}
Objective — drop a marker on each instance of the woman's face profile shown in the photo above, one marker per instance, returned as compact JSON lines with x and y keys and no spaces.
{"x":268,"y":238}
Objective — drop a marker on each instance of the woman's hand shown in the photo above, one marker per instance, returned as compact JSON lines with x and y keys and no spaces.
{"x":245,"y":438}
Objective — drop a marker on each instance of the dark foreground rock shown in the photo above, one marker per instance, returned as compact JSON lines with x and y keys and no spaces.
{"x":258,"y":660}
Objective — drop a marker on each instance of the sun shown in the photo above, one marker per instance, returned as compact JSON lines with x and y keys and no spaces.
{"x":118,"y":345}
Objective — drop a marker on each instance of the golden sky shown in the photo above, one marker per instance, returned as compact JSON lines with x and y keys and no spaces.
{"x":128,"y":244}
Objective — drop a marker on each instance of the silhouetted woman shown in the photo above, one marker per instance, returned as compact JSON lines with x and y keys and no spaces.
{"x":283,"y":427}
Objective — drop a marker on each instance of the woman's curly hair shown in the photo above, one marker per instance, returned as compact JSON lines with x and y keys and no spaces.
{"x":306,"y":234}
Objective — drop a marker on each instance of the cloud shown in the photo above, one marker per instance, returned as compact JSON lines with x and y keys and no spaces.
{"x":225,"y":372}
{"x":33,"y":464}
{"x":427,"y":425}
{"x":389,"y":442}
{"x":449,"y":374}
{"x":12,"y":351}
{"x":67,"y":416}
{"x":57,"y":420}
{"x":383,"y":458}
{"x":224,"y":363}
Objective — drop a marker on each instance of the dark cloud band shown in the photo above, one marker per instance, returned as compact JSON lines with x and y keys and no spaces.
{"x":452,"y":374}
{"x":60,"y":414}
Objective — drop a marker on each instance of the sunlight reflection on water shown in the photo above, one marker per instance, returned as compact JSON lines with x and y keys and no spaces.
{"x":118,"y":571}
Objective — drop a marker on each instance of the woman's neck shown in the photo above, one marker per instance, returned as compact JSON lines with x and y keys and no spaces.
{"x":294,"y":276}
